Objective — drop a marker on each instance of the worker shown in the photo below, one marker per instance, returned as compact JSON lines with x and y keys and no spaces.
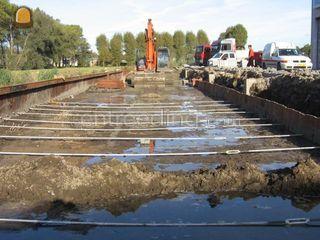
{"x":251,"y":57}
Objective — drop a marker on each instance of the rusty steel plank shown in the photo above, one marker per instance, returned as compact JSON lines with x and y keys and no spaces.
{"x":36,"y":85}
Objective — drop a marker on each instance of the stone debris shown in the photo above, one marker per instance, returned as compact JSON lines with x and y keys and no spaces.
{"x":298,"y":89}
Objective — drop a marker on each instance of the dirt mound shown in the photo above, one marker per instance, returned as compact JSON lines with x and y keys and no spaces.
{"x":298,"y":89}
{"x":56,"y":179}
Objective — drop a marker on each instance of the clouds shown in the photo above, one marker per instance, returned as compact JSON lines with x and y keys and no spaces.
{"x":265,"y":20}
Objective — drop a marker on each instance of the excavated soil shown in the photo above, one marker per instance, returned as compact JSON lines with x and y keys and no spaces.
{"x":57,"y":179}
{"x":297,"y":89}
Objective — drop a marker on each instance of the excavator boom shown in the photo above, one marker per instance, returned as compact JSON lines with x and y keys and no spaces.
{"x":151,"y":53}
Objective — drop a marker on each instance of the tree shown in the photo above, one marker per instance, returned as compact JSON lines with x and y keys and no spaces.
{"x":130,"y":48}
{"x":191,"y":43}
{"x":202,"y":37}
{"x":306,"y":49}
{"x":239,"y":32}
{"x":116,"y":49}
{"x":167,"y":41}
{"x":141,"y":44}
{"x":104,"y":55}
{"x":179,"y":42}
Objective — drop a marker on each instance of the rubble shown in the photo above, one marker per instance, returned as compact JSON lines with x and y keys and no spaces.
{"x":298,"y":89}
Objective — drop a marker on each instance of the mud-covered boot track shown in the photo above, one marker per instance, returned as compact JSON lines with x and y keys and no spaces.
{"x":56,"y":179}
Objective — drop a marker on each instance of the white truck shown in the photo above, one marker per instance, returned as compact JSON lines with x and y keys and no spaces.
{"x":228,"y":55}
{"x":224,"y":60}
{"x":284,"y":56}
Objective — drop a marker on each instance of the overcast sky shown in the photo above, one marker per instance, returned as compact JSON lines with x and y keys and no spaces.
{"x":266,"y":20}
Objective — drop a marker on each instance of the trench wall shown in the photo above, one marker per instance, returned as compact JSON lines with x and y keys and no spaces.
{"x":20,"y":97}
{"x":292,"y":120}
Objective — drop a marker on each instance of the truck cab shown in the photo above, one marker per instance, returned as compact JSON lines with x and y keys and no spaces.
{"x":284,"y":56}
{"x":203,"y":54}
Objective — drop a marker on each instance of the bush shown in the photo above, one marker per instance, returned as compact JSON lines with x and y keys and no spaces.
{"x":5,"y":77}
{"x":47,"y":74}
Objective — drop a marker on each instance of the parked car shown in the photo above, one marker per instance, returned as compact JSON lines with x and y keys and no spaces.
{"x":224,"y":60}
{"x":282,"y":55}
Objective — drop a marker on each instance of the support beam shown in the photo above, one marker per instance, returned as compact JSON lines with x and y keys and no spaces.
{"x":127,"y":107}
{"x":199,"y":128}
{"x":136,"y":123}
{"x":134,"y":104}
{"x":52,"y":154}
{"x":144,"y":138}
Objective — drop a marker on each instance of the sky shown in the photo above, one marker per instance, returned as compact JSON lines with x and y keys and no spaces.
{"x":265,"y":20}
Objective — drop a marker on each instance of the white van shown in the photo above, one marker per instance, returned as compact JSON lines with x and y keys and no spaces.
{"x":223,"y":60}
{"x":282,"y":55}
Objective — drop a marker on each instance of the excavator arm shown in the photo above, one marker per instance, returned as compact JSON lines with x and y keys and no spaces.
{"x":151,"y":53}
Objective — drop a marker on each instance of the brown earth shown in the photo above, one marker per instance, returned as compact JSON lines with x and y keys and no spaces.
{"x":56,"y":179}
{"x":298,"y":89}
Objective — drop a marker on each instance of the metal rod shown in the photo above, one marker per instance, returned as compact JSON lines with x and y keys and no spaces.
{"x":215,"y":111}
{"x":124,"y":115}
{"x":105,"y":123}
{"x":132,"y":107}
{"x":142,"y":138}
{"x":228,"y":152}
{"x":136,"y":129}
{"x":131,"y":104}
{"x":285,"y":223}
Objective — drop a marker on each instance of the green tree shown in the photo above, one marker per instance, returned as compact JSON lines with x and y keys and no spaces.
{"x":116,"y":49}
{"x":47,"y":44}
{"x":239,"y":32}
{"x":141,"y":44}
{"x":167,"y":41}
{"x":191,"y":43}
{"x":202,"y":37}
{"x":104,"y":55}
{"x":179,"y":44}
{"x":130,"y":48}
{"x":306,"y":49}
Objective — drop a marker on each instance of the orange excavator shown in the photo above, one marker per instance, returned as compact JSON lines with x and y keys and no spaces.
{"x":151,"y":52}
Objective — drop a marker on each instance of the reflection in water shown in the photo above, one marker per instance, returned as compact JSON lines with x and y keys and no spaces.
{"x":187,"y":208}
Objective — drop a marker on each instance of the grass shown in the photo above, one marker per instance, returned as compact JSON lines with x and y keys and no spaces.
{"x":8,"y":77}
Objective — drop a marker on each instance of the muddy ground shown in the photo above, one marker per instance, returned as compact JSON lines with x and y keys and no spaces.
{"x":57,"y":179}
{"x":122,"y":184}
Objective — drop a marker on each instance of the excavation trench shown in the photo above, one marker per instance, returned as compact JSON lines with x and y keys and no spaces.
{"x":35,"y":184}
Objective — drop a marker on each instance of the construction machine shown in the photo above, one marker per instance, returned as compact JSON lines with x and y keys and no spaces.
{"x":147,"y":75}
{"x":151,"y":52}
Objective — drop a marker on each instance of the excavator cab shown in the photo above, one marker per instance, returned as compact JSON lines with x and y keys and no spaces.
{"x":163,"y":58}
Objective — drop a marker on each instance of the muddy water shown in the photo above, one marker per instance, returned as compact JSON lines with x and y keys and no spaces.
{"x":186,"y":208}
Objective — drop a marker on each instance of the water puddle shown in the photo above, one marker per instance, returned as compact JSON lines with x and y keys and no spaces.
{"x":276,"y":166}
{"x":185,"y":208}
{"x":185,"y":167}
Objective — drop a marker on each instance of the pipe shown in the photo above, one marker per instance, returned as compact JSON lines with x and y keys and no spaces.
{"x":133,"y":104}
{"x":298,"y":222}
{"x":135,"y":129}
{"x":164,"y":114}
{"x":130,"y":107}
{"x":227,"y":152}
{"x":142,"y":138}
{"x":111,"y":123}
{"x":216,"y":111}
